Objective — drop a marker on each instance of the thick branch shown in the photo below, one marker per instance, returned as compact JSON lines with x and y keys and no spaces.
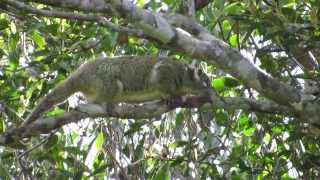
{"x":213,"y":51}
{"x":303,"y":57}
{"x":199,"y":43}
{"x":127,"y":111}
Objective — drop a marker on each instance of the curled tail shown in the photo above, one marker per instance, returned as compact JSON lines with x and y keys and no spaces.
{"x":58,"y":94}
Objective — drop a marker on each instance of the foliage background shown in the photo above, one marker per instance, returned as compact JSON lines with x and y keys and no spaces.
{"x":38,"y":52}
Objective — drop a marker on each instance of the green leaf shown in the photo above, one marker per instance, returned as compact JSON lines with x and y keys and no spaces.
{"x":276,"y":129}
{"x":4,"y":24}
{"x":173,"y":145}
{"x":180,"y":118}
{"x":177,"y":161}
{"x":222,"y":83}
{"x":226,"y":26}
{"x":4,"y":173}
{"x":56,"y":111}
{"x":140,"y":3}
{"x":136,"y":126}
{"x":99,"y":141}
{"x":74,"y":150}
{"x":231,"y":82}
{"x":163,"y":173}
{"x":234,"y":8}
{"x":243,"y":120}
{"x":218,"y":84}
{"x":249,"y":131}
{"x":53,"y":140}
{"x":94,"y":150}
{"x":222,"y":118}
{"x":234,"y":40}
{"x":139,"y":151}
{"x":13,"y":51}
{"x":38,"y":39}
{"x":2,"y":125}
{"x":267,"y":138}
{"x":219,"y":4}
{"x":240,"y":176}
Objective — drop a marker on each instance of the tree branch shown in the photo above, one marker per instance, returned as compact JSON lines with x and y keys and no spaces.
{"x":208,"y":48}
{"x":200,"y":44}
{"x":213,"y":51}
{"x":74,"y":16}
{"x":303,"y":57}
{"x":127,"y":111}
{"x":82,"y":5}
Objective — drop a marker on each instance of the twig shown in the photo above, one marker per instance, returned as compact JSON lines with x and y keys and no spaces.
{"x":37,"y":145}
{"x":122,"y":170}
{"x":23,"y":167}
{"x":75,"y":16}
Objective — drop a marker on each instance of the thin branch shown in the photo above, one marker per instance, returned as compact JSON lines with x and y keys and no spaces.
{"x":74,"y":16}
{"x":109,"y":152}
{"x":23,"y":167}
{"x":37,"y":145}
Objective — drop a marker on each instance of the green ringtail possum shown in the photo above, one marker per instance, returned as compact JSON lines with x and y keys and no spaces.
{"x":129,"y":79}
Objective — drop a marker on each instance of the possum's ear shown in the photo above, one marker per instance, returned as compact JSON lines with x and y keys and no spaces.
{"x":193,"y":73}
{"x":194,"y":64}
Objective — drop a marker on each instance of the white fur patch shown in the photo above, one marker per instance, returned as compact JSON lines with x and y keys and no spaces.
{"x":196,"y":75}
{"x":120,"y":86}
{"x":154,"y":72}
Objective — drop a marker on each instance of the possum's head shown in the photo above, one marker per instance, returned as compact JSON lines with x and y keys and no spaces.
{"x":196,"y":80}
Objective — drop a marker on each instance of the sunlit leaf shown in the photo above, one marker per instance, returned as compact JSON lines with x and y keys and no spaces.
{"x":234,"y":8}
{"x":140,"y":3}
{"x":94,"y":150}
{"x":243,"y":120}
{"x":226,"y":26}
{"x":38,"y":39}
{"x":163,"y":173}
{"x":218,"y":84}
{"x":2,"y":125}
{"x":276,"y":129}
{"x":56,"y":111}
{"x":267,"y":138}
{"x":234,"y":40}
{"x":249,"y":131}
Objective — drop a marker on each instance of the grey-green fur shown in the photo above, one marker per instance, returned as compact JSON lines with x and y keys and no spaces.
{"x":130,"y":79}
